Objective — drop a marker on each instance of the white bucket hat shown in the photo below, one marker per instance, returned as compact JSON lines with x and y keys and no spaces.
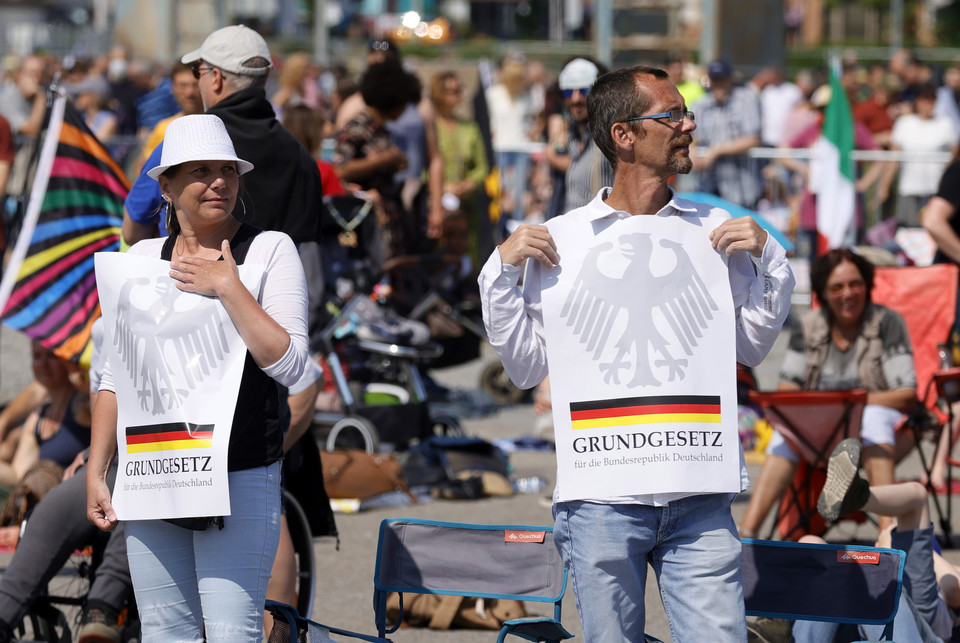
{"x":230,"y":48}
{"x":197,"y":137}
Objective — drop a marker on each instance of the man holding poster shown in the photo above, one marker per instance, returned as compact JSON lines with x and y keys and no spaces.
{"x":641,"y":320}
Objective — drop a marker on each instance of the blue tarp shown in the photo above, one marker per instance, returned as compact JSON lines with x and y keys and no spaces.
{"x":738,"y":211}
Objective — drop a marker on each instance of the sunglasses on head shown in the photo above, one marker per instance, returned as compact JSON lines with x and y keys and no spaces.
{"x":568,"y":93}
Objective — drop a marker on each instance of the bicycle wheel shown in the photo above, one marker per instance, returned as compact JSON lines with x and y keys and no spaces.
{"x":303,"y":550}
{"x":56,"y":613}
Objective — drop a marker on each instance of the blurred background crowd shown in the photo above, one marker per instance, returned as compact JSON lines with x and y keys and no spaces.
{"x":500,"y":129}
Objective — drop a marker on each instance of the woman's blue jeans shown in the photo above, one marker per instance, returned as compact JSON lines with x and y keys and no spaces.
{"x":189,"y":583}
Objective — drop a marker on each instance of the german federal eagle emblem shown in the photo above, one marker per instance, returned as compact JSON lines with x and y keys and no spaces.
{"x":599,"y":303}
{"x":161,"y":347}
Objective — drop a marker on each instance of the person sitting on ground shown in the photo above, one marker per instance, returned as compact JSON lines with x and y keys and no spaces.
{"x":923,"y":614}
{"x":58,"y":430}
{"x":56,"y":528}
{"x":12,"y":416}
{"x":847,"y":343}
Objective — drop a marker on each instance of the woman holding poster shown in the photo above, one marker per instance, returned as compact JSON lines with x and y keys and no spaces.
{"x":177,"y":311}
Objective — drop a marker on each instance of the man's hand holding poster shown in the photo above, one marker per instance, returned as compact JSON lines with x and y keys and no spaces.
{"x":639,"y":328}
{"x":176,"y":360}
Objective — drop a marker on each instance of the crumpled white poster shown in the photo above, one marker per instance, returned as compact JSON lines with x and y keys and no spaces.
{"x":176,"y":360}
{"x":640,"y":335}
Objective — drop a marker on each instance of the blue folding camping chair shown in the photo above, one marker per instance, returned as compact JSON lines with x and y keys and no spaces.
{"x":822,"y":582}
{"x":517,"y":562}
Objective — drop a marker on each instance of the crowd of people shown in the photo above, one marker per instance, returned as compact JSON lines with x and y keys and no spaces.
{"x":234,"y":154}
{"x":528,"y":127}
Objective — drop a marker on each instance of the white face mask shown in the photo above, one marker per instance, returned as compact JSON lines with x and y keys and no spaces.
{"x":117,"y":69}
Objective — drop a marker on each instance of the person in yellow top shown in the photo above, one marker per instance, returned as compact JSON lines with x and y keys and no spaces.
{"x":690,"y":88}
{"x":187,"y":94}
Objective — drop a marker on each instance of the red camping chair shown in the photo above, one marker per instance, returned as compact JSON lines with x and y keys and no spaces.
{"x":926,"y":297}
{"x":813,"y":423}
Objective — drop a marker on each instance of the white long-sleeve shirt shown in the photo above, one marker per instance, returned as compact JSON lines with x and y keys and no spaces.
{"x":283,"y":295}
{"x":513,"y":315}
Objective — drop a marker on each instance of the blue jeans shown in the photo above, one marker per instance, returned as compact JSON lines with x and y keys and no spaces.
{"x":693,"y":547}
{"x":215,"y":579}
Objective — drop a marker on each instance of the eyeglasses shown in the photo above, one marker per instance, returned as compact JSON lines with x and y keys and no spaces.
{"x":675,"y":116}
{"x":568,"y":93}
{"x":380,"y":45}
{"x":198,"y":70}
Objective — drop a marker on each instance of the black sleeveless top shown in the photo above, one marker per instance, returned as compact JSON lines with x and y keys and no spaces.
{"x":256,"y":438}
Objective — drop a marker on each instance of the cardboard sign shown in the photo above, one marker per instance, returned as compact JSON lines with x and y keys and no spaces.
{"x":639,"y":328}
{"x":177,"y":360}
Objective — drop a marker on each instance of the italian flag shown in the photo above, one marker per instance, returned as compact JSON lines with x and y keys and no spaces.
{"x":836,"y":195}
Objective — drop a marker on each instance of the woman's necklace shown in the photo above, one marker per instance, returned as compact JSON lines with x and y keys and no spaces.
{"x":348,"y":238}
{"x":843,"y":339}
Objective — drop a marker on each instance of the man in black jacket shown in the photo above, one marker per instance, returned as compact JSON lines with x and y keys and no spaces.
{"x":284,"y":190}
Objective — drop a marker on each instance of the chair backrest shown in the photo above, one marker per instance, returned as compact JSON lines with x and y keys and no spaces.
{"x":813,"y":422}
{"x":926,"y":297}
{"x":822,"y":582}
{"x":489,"y":561}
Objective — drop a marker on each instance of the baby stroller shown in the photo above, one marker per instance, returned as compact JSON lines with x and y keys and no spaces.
{"x":437,"y":290}
{"x":371,"y":355}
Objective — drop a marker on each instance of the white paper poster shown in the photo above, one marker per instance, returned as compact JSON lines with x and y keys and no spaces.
{"x":176,"y":360}
{"x":639,"y":327}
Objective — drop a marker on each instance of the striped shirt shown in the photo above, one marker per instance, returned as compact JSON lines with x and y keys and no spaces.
{"x":588,"y":172}
{"x":735,"y":178}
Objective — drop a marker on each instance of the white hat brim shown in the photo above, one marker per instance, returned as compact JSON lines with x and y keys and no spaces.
{"x":242,"y":166}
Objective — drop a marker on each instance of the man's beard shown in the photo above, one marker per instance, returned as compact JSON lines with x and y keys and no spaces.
{"x":677,"y":164}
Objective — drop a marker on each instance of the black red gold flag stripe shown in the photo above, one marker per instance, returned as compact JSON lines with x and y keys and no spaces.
{"x":168,"y":437}
{"x":657,"y":409}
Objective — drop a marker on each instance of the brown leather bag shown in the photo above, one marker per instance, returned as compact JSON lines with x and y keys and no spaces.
{"x":445,"y":612}
{"x":354,"y":473}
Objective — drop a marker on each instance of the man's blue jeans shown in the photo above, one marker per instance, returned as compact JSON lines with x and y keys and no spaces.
{"x":693,"y":547}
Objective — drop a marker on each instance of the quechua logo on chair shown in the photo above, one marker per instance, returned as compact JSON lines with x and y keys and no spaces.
{"x":654,"y":409}
{"x":859,"y":557}
{"x":168,"y":437}
{"x":521,"y":536}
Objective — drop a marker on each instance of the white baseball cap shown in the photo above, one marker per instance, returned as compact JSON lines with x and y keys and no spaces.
{"x":230,"y":48}
{"x":577,"y":74}
{"x":197,"y":137}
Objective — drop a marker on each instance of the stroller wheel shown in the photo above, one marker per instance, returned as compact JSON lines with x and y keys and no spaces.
{"x":446,"y":425}
{"x":363,"y":435}
{"x":495,"y":383}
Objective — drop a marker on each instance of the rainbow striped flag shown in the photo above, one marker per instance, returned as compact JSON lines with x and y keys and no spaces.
{"x":660,"y":409}
{"x":168,"y":437}
{"x":49,"y":289}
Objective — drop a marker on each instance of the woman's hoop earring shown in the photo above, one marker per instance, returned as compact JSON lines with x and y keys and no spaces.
{"x":166,"y":210}
{"x":243,"y":205}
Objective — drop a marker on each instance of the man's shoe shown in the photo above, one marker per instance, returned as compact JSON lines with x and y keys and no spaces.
{"x":844,"y":491}
{"x":97,"y":627}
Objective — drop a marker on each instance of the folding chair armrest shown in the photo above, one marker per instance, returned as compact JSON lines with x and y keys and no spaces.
{"x":289,"y":615}
{"x":356,"y":635}
{"x":535,"y":628}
